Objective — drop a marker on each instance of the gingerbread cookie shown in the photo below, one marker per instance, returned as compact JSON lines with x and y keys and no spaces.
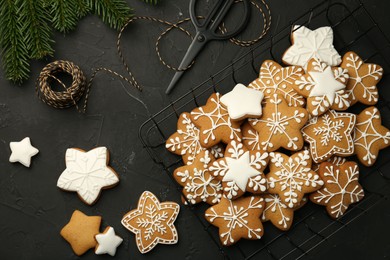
{"x":152,"y":222}
{"x":341,"y":188}
{"x":308,"y":44}
{"x":80,"y":232}
{"x":250,"y":137}
{"x":324,"y":88}
{"x":280,"y":125}
{"x":277,"y":212}
{"x":330,"y":134}
{"x":197,"y":182}
{"x":363,"y":78}
{"x":240,"y":171}
{"x":370,"y":136}
{"x":87,"y":173}
{"x":274,"y":79}
{"x":237,"y":219}
{"x":292,"y":177}
{"x":243,"y":102}
{"x":214,"y":123}
{"x":107,"y":242}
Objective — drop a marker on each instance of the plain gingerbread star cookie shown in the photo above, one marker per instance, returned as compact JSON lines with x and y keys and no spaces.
{"x":87,"y":173}
{"x":22,"y":152}
{"x":308,"y":44}
{"x":107,"y":242}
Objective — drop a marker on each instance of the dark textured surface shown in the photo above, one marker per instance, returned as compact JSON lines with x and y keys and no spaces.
{"x":33,"y":209}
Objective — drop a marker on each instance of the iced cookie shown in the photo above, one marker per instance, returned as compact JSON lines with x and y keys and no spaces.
{"x":363,"y":78}
{"x":107,"y":242}
{"x":370,"y":136}
{"x":87,"y":173}
{"x":22,"y":152}
{"x":292,"y":177}
{"x":330,"y":134}
{"x":237,"y":219}
{"x":80,"y":232}
{"x":277,"y":212}
{"x":324,"y":88}
{"x":243,"y":102}
{"x":308,"y":44}
{"x":214,"y":123}
{"x":250,"y":137}
{"x":341,"y":188}
{"x":280,"y":125}
{"x":275,"y":79}
{"x":197,"y":182}
{"x":152,"y":222}
{"x":240,"y":170}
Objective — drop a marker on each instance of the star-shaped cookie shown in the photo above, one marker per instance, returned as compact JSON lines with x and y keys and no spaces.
{"x":243,"y":102}
{"x":22,"y":152}
{"x":240,"y":171}
{"x":152,"y":222}
{"x":363,"y":78}
{"x":275,"y":79}
{"x":292,"y":177}
{"x":308,"y":44}
{"x":107,"y":242}
{"x":237,"y":219}
{"x":324,"y":88}
{"x":370,"y":136}
{"x":330,"y":134}
{"x":214,"y":123}
{"x":280,"y":125}
{"x":87,"y":173}
{"x":80,"y":232}
{"x":341,"y":188}
{"x":277,"y":212}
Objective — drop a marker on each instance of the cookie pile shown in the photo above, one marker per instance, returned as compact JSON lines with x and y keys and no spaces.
{"x":259,"y":152}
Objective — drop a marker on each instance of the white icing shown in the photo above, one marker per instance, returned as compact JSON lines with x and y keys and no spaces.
{"x":107,"y":242}
{"x":87,"y":173}
{"x":330,"y":130}
{"x":274,"y":207}
{"x":251,"y":138}
{"x":312,"y":44}
{"x":22,"y":152}
{"x":242,"y":102}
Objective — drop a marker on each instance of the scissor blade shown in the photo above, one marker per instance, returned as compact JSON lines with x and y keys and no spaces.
{"x":195,"y":47}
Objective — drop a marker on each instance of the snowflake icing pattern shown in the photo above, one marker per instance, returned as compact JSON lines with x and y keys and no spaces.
{"x":330,"y":130}
{"x":275,"y":207}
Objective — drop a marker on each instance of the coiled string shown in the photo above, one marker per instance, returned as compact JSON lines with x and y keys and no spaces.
{"x":72,"y":94}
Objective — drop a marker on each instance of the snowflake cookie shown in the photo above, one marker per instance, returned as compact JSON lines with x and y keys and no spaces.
{"x":341,"y":188}
{"x":292,"y":177}
{"x":240,"y":171}
{"x":87,"y":173}
{"x":250,"y":137}
{"x":280,"y":125}
{"x":370,"y":136}
{"x":197,"y":182}
{"x":274,"y":79}
{"x":243,"y":102}
{"x":277,"y":212}
{"x":186,"y":141}
{"x":152,"y":222}
{"x":363,"y":78}
{"x":308,"y":44}
{"x":324,"y":88}
{"x":330,"y":134}
{"x":237,"y":219}
{"x":214,"y":123}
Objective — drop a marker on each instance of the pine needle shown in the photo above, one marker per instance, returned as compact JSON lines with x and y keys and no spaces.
{"x":64,"y":15}
{"x":115,"y":13}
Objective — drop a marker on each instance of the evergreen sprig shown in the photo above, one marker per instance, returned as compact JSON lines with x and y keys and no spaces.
{"x":115,"y":13}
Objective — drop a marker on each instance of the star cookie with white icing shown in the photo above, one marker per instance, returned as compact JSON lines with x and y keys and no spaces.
{"x":87,"y":173}
{"x":243,"y":102}
{"x":370,"y":136}
{"x":152,"y":222}
{"x":237,"y":219}
{"x":341,"y":188}
{"x":275,"y":79}
{"x":363,"y":78}
{"x":308,"y":44}
{"x":22,"y":152}
{"x":240,"y":170}
{"x":324,"y":88}
{"x":277,"y":212}
{"x":330,"y":134}
{"x":107,"y":242}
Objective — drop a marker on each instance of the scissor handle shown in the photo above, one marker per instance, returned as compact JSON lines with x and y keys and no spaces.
{"x":219,"y":10}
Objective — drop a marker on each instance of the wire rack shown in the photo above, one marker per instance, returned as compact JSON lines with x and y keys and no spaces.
{"x":354,"y":29}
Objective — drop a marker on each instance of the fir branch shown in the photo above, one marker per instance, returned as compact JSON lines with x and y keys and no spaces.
{"x":115,"y":13}
{"x":36,"y":30}
{"x":82,"y":8}
{"x":64,"y":15}
{"x":154,"y":2}
{"x":14,"y":50}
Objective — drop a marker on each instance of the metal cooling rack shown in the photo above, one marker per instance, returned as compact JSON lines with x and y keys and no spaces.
{"x":354,"y":29}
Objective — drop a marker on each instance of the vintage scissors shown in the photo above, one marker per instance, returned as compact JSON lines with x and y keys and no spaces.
{"x":207,"y":31}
